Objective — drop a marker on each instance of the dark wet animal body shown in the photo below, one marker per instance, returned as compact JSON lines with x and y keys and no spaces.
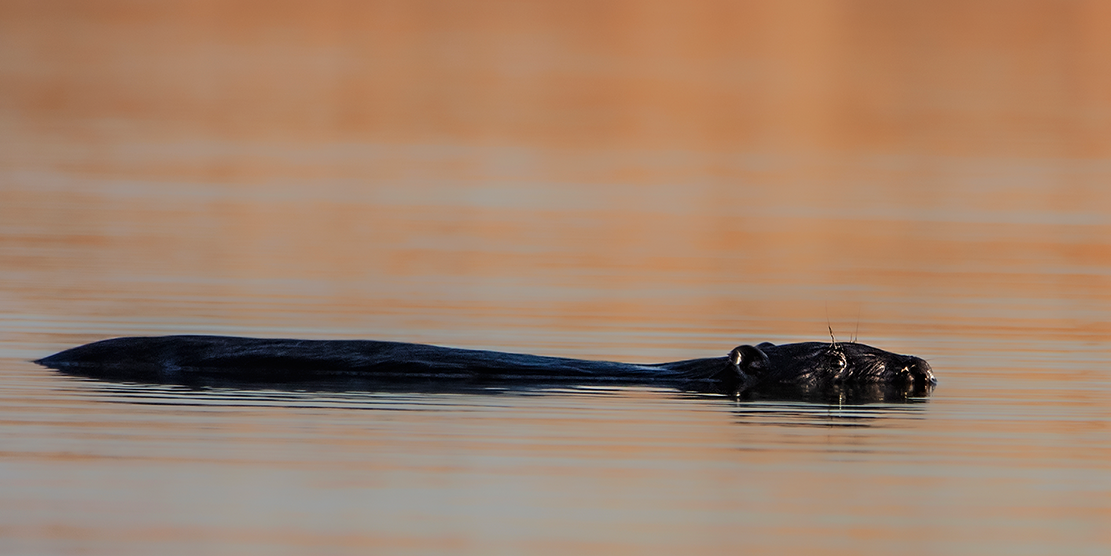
{"x":804,"y":370}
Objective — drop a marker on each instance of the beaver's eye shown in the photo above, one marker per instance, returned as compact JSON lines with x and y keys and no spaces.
{"x":839,"y":361}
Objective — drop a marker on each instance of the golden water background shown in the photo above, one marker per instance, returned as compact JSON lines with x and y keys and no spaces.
{"x":636,"y":181}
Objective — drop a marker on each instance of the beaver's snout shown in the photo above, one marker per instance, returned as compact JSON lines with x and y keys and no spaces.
{"x":919,"y":371}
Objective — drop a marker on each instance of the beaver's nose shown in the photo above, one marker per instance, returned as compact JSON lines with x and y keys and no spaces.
{"x":921,"y":370}
{"x":930,"y":377}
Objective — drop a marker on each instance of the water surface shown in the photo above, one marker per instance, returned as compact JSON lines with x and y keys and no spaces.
{"x":638,"y":183}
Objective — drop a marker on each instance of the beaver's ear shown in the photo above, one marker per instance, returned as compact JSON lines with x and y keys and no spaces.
{"x":749,"y":361}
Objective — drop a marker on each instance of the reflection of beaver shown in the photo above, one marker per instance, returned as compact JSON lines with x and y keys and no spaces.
{"x":804,"y":370}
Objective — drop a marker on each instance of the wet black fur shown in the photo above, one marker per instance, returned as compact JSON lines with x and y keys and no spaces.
{"x":804,"y":370}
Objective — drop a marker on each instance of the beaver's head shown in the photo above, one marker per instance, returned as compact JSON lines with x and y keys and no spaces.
{"x":819,"y":366}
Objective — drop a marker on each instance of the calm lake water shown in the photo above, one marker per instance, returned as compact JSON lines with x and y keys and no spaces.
{"x":636,"y":182}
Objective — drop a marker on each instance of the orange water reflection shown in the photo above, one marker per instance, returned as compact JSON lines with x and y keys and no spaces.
{"x":947,"y":77}
{"x":638,"y":181}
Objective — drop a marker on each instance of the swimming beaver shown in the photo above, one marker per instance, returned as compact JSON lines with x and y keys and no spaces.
{"x":802,"y":370}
